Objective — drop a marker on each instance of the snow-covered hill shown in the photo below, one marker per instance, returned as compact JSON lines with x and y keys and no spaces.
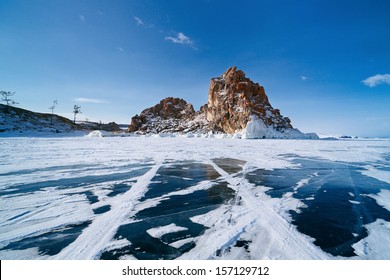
{"x":20,"y":122}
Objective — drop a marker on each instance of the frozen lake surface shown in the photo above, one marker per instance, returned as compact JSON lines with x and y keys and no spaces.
{"x":194,"y":198}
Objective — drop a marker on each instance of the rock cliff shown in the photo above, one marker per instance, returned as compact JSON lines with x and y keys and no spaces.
{"x":233,"y":99}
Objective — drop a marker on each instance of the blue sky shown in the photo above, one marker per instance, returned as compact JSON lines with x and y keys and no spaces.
{"x":324,"y":64}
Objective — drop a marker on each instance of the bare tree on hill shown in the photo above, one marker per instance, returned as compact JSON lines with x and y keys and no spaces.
{"x":6,"y":97}
{"x":76,"y":110}
{"x":52,"y":110}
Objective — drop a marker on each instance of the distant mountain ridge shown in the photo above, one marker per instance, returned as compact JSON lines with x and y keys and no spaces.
{"x":236,"y":105}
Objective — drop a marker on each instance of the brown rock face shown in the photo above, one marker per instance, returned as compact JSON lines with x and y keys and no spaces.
{"x":163,"y":116}
{"x":232,"y":98}
{"x":171,"y":108}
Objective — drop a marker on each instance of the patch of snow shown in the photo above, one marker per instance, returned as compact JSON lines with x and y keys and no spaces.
{"x":161,"y":231}
{"x":117,"y":244}
{"x":181,"y":242}
{"x":376,"y":246}
{"x":379,"y":174}
{"x":354,"y":201}
{"x":301,"y":183}
{"x":382,"y":198}
{"x":98,"y":133}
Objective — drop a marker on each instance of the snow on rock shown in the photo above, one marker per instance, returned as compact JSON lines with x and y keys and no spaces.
{"x":255,"y":129}
{"x":170,"y":115}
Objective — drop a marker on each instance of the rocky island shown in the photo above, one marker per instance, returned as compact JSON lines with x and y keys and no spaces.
{"x":236,"y":105}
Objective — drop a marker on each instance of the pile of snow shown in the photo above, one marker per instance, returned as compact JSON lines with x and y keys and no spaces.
{"x":103,"y":133}
{"x":257,"y":129}
{"x":98,"y":133}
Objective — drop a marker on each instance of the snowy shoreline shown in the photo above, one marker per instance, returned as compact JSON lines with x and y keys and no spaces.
{"x":101,"y":133}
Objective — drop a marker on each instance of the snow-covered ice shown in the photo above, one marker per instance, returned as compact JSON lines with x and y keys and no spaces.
{"x":193,"y":198}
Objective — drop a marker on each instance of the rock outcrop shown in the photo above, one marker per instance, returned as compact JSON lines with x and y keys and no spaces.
{"x":110,"y":127}
{"x":233,"y":99}
{"x":236,"y":105}
{"x":169,"y":116}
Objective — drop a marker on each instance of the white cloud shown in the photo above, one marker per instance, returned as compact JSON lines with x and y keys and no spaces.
{"x":120,"y":49}
{"x":378,"y":79}
{"x":180,"y":39}
{"x":139,"y":21}
{"x":303,"y":78}
{"x":82,"y":18}
{"x":90,"y":100}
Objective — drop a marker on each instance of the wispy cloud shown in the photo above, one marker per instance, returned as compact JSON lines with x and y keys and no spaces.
{"x":82,"y":18}
{"x":139,"y":21}
{"x":91,"y":100}
{"x":180,"y":39}
{"x":303,"y":78}
{"x":120,"y":49}
{"x":378,"y":79}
